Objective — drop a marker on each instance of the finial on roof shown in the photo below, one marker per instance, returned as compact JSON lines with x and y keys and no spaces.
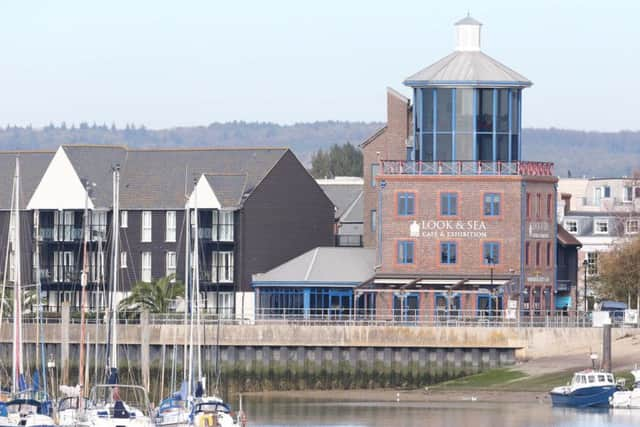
{"x":468,"y":34}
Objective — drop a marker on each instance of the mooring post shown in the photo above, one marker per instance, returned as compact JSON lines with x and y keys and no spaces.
{"x":144,"y":348}
{"x":65,"y":326}
{"x":606,"y":347}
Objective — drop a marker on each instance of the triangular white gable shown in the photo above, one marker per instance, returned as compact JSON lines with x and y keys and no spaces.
{"x":206,"y":197}
{"x":60,"y":186}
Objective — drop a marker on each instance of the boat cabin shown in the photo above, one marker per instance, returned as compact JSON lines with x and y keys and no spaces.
{"x":592,"y":378}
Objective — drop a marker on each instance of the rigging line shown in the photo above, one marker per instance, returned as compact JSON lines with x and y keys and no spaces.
{"x":6,"y":264}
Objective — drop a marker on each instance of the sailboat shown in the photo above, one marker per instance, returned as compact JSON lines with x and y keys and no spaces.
{"x":192,"y":406}
{"x":113,"y":404}
{"x":27,"y":406}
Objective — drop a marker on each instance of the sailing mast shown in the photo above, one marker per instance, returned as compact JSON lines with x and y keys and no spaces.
{"x":187,"y":267}
{"x":18,"y":369}
{"x":113,"y":359}
{"x":83,"y":293}
{"x":196,"y":285}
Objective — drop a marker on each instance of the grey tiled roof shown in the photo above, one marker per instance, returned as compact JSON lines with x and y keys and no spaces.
{"x":228,"y":188}
{"x":32,"y":166}
{"x":94,"y":163}
{"x":355,"y":212}
{"x":342,"y":196}
{"x":156,"y":179}
{"x":324,"y":264}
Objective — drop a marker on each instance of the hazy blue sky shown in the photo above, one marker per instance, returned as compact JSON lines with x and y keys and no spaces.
{"x":172,"y":63}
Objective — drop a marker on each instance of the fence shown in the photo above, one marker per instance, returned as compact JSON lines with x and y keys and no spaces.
{"x":434,"y":318}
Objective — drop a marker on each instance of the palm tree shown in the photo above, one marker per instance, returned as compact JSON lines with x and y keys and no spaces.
{"x":154,"y":297}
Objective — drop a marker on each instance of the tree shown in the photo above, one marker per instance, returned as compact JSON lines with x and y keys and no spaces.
{"x":339,"y":160}
{"x":619,"y":271}
{"x":155,"y":296}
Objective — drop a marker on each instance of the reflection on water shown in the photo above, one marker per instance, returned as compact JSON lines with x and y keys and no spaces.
{"x":297,"y":412}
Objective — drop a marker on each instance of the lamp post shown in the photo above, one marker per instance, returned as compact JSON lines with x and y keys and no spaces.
{"x":585,"y":264}
{"x":491,"y":261}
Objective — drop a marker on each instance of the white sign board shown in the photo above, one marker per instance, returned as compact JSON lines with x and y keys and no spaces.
{"x":600,"y":318}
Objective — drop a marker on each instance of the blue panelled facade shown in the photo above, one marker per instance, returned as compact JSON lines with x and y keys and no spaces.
{"x":462,"y":124}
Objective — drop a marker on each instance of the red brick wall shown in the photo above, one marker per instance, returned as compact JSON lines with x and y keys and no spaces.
{"x":390,"y":145}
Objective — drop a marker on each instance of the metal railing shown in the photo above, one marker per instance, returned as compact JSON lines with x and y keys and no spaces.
{"x":349,"y":240}
{"x":466,"y":167}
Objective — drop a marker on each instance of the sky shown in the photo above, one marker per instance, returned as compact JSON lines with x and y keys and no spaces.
{"x":164,"y":64}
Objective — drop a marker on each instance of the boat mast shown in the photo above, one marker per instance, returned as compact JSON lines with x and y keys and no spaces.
{"x":83,"y":292}
{"x":113,"y":362}
{"x":196,"y":286}
{"x":17,"y":300}
{"x":187,"y":267}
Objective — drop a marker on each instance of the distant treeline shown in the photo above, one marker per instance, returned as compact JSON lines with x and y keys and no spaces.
{"x":576,"y":152}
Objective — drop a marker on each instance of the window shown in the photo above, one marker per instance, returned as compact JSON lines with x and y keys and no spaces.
{"x":606,"y":191}
{"x":170,"y":234}
{"x":215,"y":222}
{"x":571,"y":225}
{"x":592,"y":263}
{"x":123,"y":259}
{"x":375,"y":170}
{"x":124,"y":219}
{"x":146,"y":226}
{"x":601,"y":226}
{"x":538,"y":253}
{"x":98,"y":226}
{"x":170,"y":263}
{"x":448,"y":252}
{"x":527,"y":247}
{"x":539,"y":207}
{"x":222,"y":267}
{"x":491,"y":204}
{"x":549,"y":205}
{"x":548,"y":254}
{"x":528,"y":205}
{"x":63,"y":266}
{"x":226,"y":226}
{"x":406,"y":252}
{"x":374,"y":220}
{"x":448,"y":204}
{"x":633,"y":225}
{"x":406,"y":204}
{"x":491,"y":253}
{"x":627,"y":193}
{"x":146,"y":267}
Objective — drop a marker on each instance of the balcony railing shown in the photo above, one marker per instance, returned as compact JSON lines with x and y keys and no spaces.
{"x":460,"y":167}
{"x":349,"y":240}
{"x":68,"y":233}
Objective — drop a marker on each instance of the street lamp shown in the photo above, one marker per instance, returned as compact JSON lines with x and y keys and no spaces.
{"x":491,"y":261}
{"x":585,"y":264}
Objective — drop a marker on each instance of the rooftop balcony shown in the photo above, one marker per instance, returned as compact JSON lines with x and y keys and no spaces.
{"x":467,"y":167}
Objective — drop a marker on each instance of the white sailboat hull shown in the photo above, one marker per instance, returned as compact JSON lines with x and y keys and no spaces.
{"x":626,"y":399}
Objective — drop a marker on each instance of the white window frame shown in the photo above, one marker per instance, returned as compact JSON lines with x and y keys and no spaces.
{"x":226,"y":226}
{"x":215,"y":221}
{"x":147,"y":226}
{"x":568,"y":228}
{"x":597,"y":223}
{"x":170,"y":264}
{"x":170,"y":221}
{"x":145,"y":273}
{"x":222,"y":267}
{"x":124,"y":219}
{"x":98,"y":225}
{"x":123,"y":259}
{"x":592,"y":263}
{"x":636,"y":228}
{"x":225,"y":307}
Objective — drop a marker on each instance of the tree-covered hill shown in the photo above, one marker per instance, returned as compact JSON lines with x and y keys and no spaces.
{"x":582,"y":153}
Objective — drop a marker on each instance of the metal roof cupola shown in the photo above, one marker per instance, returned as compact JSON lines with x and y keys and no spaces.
{"x":467,"y":104}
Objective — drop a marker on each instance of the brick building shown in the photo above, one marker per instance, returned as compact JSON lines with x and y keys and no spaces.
{"x":459,"y":220}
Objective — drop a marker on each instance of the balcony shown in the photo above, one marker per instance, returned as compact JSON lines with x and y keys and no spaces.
{"x":349,"y":240}
{"x":68,"y":233}
{"x":470,"y":167}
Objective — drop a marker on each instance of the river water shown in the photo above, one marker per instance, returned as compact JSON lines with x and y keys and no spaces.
{"x":264,"y":411}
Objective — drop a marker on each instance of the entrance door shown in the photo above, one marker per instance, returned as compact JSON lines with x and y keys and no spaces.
{"x":340,"y":303}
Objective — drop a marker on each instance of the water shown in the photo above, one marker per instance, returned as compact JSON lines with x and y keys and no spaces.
{"x":285,"y":412}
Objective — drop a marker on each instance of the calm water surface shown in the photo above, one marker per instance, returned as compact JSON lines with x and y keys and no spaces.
{"x":264,"y":411}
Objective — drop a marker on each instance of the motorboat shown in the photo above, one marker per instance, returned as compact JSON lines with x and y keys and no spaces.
{"x":628,"y":398}
{"x":589,"y":388}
